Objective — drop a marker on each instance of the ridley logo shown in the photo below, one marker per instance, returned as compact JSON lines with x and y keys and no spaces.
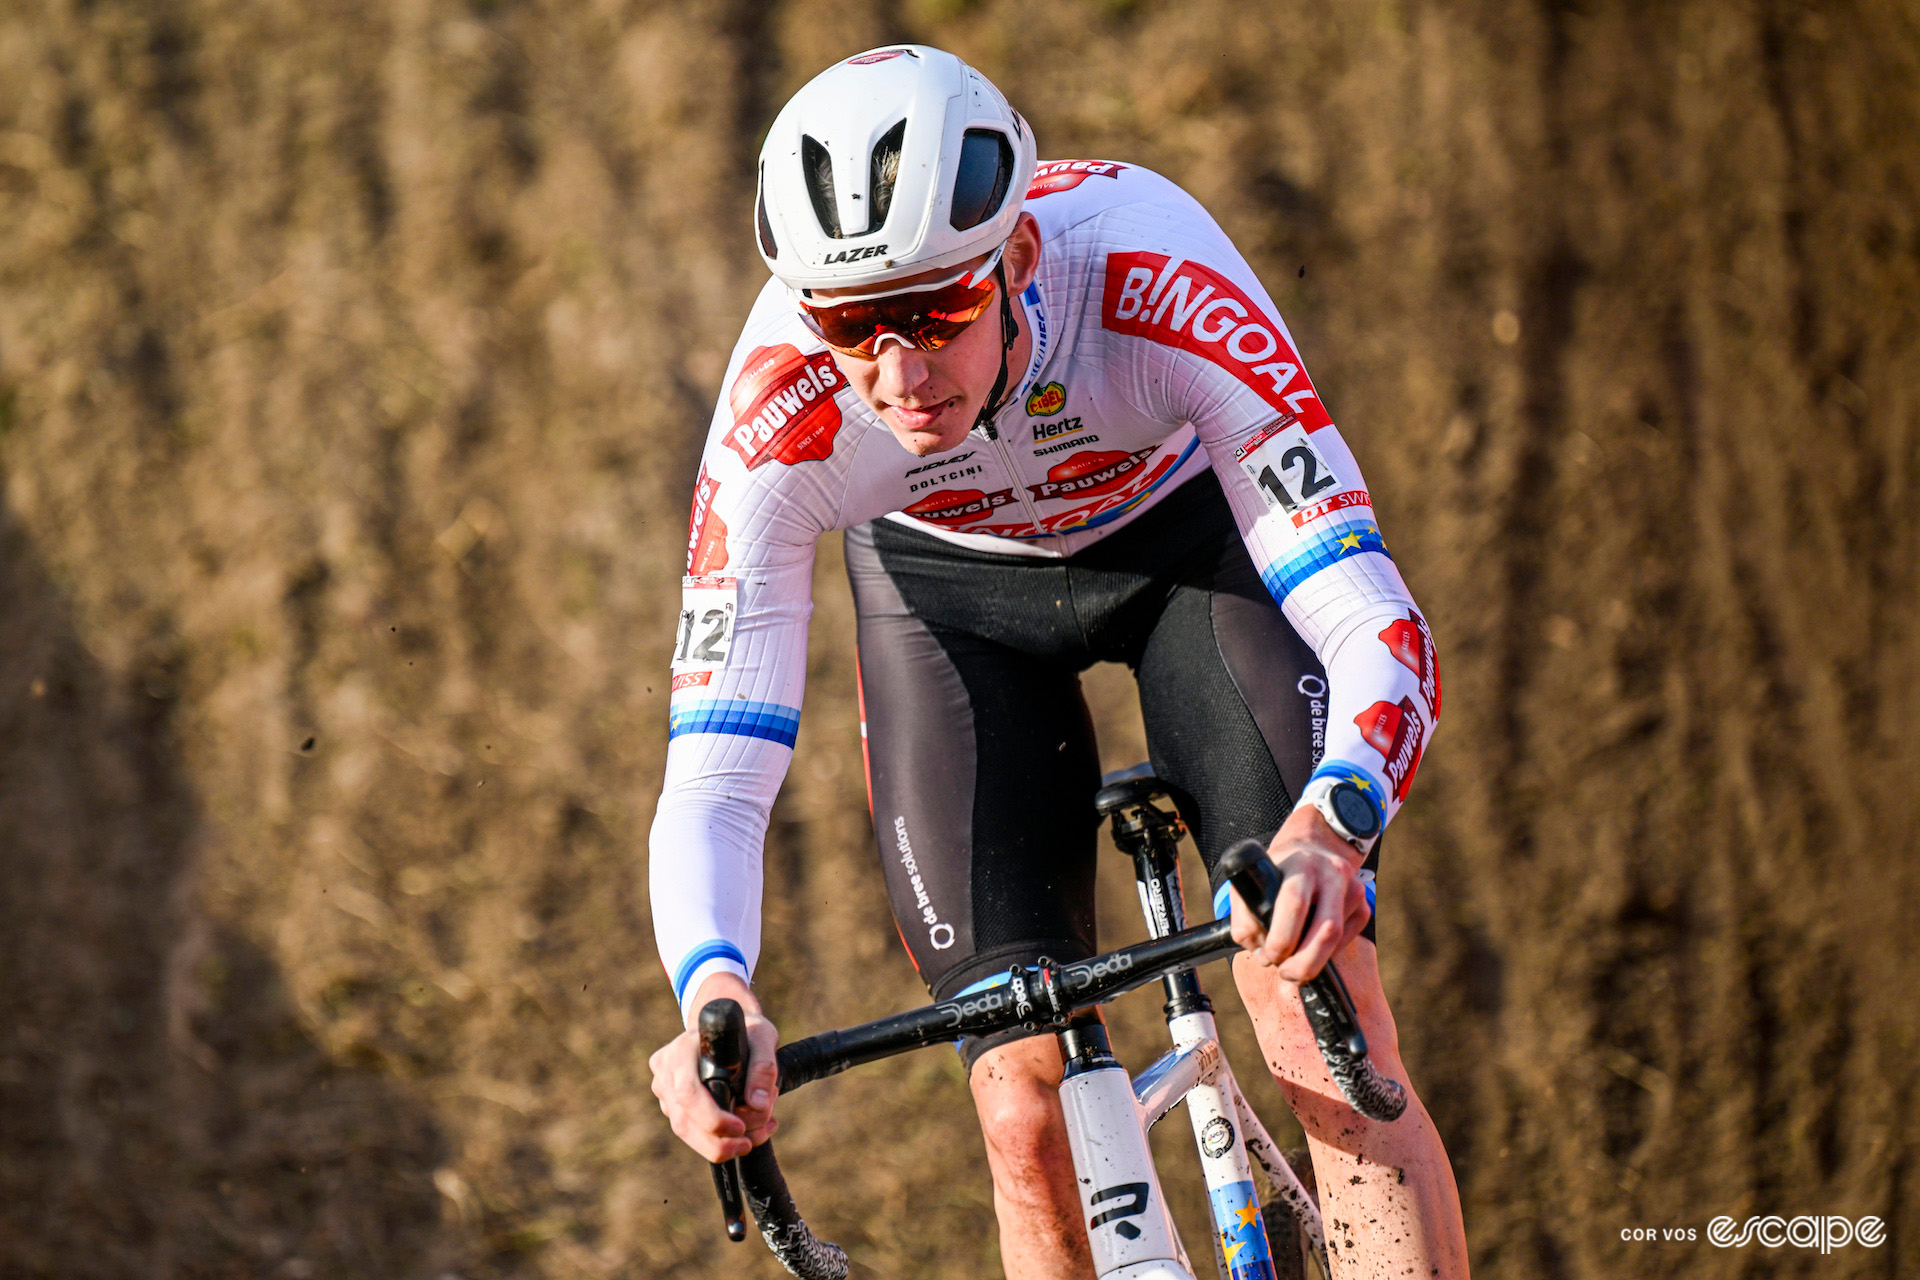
{"x":1090,"y":473}
{"x":783,"y":407}
{"x":706,"y":531}
{"x":1046,"y":401}
{"x":957,"y":506}
{"x":1394,"y":731}
{"x":1412,"y":646}
{"x":1183,"y":304}
{"x":1065,"y":175}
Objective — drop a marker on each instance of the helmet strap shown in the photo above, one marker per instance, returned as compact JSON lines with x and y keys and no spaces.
{"x":1009,"y":334}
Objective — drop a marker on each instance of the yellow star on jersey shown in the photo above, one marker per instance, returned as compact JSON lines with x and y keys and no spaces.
{"x":1249,"y":1215}
{"x":1232,"y":1249}
{"x":1351,"y":542}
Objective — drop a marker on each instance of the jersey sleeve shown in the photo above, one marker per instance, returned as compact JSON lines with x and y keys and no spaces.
{"x":1199,"y":341}
{"x":764,"y":495}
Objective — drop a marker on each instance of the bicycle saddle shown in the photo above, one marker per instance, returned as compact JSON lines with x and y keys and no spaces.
{"x":1126,"y":788}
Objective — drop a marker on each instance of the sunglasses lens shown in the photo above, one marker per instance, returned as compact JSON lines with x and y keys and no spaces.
{"x":928,"y":320}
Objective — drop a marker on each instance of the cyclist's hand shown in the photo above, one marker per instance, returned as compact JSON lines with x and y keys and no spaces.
{"x":715,"y":1134}
{"x":1320,"y":878}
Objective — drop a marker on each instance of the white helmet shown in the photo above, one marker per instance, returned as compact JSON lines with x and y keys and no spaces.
{"x":896,"y":161}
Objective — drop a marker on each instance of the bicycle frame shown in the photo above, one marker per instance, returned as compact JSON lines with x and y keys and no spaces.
{"x":1129,"y":1229}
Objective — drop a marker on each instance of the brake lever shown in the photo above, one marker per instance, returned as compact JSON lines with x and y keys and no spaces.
{"x":723,"y":1070}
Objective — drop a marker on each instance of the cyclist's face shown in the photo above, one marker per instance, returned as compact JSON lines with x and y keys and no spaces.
{"x":929,"y":399}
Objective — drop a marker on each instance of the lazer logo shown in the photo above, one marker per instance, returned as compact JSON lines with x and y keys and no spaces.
{"x":853,"y":255}
{"x":1180,"y":303}
{"x":1133,"y":1202}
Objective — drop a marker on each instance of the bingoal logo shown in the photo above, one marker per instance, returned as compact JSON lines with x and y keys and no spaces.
{"x":1180,"y":303}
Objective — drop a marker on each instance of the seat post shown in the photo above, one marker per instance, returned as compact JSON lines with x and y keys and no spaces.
{"x":1150,"y":836}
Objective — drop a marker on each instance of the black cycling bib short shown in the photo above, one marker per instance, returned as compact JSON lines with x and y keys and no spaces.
{"x":981,"y":756}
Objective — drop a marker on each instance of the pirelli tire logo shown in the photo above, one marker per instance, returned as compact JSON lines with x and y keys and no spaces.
{"x":1180,"y":303}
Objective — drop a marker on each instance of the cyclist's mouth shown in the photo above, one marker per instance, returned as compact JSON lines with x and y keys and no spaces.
{"x":920,"y":419}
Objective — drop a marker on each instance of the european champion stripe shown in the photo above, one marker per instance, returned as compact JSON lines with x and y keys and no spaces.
{"x":714,"y":950}
{"x":1326,"y":549}
{"x":767,"y":720}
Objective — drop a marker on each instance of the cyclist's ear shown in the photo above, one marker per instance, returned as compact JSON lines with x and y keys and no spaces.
{"x":1022,"y":257}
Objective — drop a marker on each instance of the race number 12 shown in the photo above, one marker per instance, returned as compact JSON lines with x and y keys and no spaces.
{"x":708,"y":604}
{"x":1285,"y":466}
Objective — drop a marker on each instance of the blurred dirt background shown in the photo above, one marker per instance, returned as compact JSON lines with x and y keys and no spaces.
{"x":353,"y":363}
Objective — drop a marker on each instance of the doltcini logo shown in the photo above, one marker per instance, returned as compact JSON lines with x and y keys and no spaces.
{"x":1047,"y":400}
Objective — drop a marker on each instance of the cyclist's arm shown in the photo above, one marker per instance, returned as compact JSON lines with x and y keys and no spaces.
{"x":1213,"y":351}
{"x":765,"y":494}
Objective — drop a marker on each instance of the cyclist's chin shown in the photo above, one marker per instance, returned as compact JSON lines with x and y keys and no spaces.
{"x":921,"y":433}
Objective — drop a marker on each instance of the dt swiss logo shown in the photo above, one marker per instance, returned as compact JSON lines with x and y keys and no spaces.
{"x":1395,"y":732}
{"x":958,"y":506}
{"x":1047,"y":401}
{"x":783,"y":407}
{"x":1412,"y":646}
{"x":1179,"y":303}
{"x":1065,"y":175}
{"x":1090,"y":473}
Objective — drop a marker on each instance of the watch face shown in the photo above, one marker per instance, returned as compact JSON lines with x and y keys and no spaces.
{"x":1355,"y":814}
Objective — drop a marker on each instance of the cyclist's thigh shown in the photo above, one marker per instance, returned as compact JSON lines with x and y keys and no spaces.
{"x":1235,"y":705}
{"x":980,"y":765}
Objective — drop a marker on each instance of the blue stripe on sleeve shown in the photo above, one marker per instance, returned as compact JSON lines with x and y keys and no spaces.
{"x":1329,"y":547}
{"x":714,"y":950}
{"x":767,"y":720}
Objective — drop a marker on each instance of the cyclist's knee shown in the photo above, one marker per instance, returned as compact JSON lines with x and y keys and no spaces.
{"x":1016,"y":1092}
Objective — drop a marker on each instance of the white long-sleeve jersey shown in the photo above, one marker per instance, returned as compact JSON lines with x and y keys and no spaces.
{"x":1156,"y":355}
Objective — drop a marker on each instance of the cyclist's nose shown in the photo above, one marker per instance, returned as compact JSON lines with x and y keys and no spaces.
{"x":903,"y":372}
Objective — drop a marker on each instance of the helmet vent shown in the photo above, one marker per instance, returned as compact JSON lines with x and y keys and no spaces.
{"x":980,"y":183}
{"x":817,"y":167}
{"x":883,"y":173}
{"x":764,"y":227}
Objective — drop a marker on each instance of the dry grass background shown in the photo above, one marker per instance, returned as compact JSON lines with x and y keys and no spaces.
{"x":353,"y":361}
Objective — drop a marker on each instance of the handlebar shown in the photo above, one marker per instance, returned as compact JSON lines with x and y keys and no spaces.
{"x":756,"y":1176}
{"x":1037,"y":996}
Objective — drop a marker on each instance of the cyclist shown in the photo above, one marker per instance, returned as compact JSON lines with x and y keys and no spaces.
{"x":1061,"y":423}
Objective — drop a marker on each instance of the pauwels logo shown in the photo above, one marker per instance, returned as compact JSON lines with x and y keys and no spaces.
{"x":958,"y":506}
{"x":1090,"y":473}
{"x":1395,"y":732}
{"x":1412,"y":646}
{"x":1046,"y":401}
{"x":706,"y":531}
{"x":1065,"y":175}
{"x":1180,"y":303}
{"x":783,"y":407}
